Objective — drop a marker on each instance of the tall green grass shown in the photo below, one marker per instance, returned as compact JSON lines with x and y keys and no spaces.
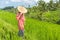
{"x":34,"y":29}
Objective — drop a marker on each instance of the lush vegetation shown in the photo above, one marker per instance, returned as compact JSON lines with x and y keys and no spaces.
{"x":41,"y":22}
{"x":43,"y":11}
{"x":34,"y":29}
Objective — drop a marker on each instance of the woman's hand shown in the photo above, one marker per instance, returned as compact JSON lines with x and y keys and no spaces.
{"x":18,"y":15}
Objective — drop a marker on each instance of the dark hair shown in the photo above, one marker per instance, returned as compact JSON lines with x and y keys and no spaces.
{"x":19,"y":12}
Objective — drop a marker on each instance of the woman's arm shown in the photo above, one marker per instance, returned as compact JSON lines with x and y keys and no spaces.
{"x":18,"y":15}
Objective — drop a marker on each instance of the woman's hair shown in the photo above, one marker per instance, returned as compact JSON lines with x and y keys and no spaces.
{"x":19,"y":12}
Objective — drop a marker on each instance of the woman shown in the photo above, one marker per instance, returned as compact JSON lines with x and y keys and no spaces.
{"x":20,"y":18}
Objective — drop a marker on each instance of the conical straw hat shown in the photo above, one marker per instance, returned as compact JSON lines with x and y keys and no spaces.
{"x":22,"y":9}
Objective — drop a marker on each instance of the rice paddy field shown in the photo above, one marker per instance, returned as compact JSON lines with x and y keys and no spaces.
{"x":34,"y":29}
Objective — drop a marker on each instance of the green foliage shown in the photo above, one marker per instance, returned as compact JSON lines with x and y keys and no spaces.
{"x":9,"y":7}
{"x":52,"y":16}
{"x":8,"y":17}
{"x":34,"y":29}
{"x":51,"y":6}
{"x":45,"y":11}
{"x":42,"y":6}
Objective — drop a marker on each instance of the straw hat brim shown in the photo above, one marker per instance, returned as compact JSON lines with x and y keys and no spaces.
{"x":22,"y":9}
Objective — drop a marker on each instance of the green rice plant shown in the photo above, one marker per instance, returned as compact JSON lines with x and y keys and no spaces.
{"x":34,"y":29}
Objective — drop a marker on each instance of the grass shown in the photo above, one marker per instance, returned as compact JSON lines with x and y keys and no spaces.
{"x":34,"y":29}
